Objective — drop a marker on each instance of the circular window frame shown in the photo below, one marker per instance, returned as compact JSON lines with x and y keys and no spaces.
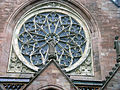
{"x":59,"y":9}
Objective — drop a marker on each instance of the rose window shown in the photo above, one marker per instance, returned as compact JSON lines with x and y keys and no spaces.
{"x":51,"y":32}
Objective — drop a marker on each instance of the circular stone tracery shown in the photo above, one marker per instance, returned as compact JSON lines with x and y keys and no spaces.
{"x":66,"y":34}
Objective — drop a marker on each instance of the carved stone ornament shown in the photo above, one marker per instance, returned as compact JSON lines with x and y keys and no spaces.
{"x":15,"y":65}
{"x":86,"y":68}
{"x":47,"y":30}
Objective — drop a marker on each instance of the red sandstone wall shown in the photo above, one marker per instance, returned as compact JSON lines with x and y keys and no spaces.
{"x":105,"y":13}
{"x":54,"y":77}
{"x":114,"y":83}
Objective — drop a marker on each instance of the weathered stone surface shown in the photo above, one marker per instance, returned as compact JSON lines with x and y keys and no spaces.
{"x":51,"y":76}
{"x":106,"y":19}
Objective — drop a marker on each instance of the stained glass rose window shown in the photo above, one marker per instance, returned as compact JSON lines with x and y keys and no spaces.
{"x":64,"y":30}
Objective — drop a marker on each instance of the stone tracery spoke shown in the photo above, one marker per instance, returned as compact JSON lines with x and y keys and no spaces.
{"x":39,"y":47}
{"x":63,"y":30}
{"x":62,"y":47}
{"x":37,"y":34}
{"x":67,"y":36}
{"x":41,"y":28}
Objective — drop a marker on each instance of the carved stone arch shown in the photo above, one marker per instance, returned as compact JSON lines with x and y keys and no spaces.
{"x":87,"y":16}
{"x":26,"y":5}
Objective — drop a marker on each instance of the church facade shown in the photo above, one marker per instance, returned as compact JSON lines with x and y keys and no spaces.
{"x":59,"y":45}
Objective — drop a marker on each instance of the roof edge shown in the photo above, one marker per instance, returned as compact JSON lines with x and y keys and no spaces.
{"x":39,"y":72}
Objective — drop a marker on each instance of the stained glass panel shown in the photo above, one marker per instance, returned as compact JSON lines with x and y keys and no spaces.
{"x":63,"y":31}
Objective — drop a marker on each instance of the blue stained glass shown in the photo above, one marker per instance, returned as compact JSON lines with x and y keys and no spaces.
{"x":20,"y":44}
{"x":22,"y":30}
{"x":75,"y":59}
{"x":41,"y":43}
{"x":27,"y":58}
{"x":45,"y":27}
{"x":82,"y":33}
{"x":62,"y":62}
{"x":73,"y":21}
{"x":67,"y":47}
{"x":62,"y":30}
{"x":79,"y":54}
{"x":59,"y":29}
{"x":83,"y":47}
{"x":63,"y":34}
{"x":52,"y":27}
{"x":29,"y":26}
{"x":45,"y":48}
{"x":72,"y":50}
{"x":58,"y":49}
{"x":30,"y":20}
{"x":65,"y":20}
{"x":75,"y":39}
{"x":53,"y":17}
{"x":40,"y":18}
{"x":62,"y":44}
{"x":37,"y":59}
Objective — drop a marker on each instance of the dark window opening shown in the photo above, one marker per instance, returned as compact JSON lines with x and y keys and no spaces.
{"x":51,"y":89}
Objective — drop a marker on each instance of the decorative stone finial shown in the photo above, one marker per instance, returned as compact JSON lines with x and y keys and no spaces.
{"x":117,"y":47}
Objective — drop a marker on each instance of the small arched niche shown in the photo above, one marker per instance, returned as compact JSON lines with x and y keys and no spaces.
{"x":51,"y":89}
